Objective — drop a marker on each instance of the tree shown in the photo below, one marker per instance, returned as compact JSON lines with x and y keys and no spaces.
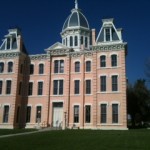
{"x":138,"y":102}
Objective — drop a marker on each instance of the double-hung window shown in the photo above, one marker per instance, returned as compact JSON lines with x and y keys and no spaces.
{"x":40,"y":88}
{"x":1,"y":87}
{"x":113,"y":60}
{"x":77,"y":66}
{"x":115,"y":83}
{"x":59,"y":66}
{"x":114,"y":113}
{"x":10,"y":66}
{"x":8,"y":87}
{"x":88,"y":66}
{"x":5,"y":114}
{"x":103,"y":83}
{"x":58,"y":87}
{"x":103,"y":61}
{"x":76,"y":86}
{"x":103,"y":113}
{"x":88,"y":87}
{"x":41,"y":68}
{"x":87,"y":114}
{"x":1,"y":67}
{"x":76,"y":114}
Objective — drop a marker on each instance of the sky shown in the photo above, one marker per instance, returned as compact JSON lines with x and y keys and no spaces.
{"x":41,"y":22}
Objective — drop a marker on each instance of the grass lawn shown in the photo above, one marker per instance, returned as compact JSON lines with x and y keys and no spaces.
{"x":80,"y":140}
{"x":15,"y":131}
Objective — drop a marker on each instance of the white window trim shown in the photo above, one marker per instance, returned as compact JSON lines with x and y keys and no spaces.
{"x":115,"y":102}
{"x":6,"y":104}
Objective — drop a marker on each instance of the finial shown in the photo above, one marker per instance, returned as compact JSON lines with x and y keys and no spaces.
{"x":76,"y":4}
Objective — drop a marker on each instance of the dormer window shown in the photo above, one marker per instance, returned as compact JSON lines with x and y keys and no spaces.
{"x":107,"y":31}
{"x":76,"y":41}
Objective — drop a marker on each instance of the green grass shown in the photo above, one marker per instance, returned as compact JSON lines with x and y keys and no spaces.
{"x":80,"y":140}
{"x":15,"y":131}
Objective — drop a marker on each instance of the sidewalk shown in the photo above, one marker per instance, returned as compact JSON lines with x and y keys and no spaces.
{"x":26,"y":133}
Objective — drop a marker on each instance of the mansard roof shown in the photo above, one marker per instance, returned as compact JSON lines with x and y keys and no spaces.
{"x":108,"y":33}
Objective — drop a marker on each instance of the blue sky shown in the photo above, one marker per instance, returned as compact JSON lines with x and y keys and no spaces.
{"x":41,"y":22}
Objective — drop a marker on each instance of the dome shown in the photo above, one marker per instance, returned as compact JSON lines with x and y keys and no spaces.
{"x":76,"y":19}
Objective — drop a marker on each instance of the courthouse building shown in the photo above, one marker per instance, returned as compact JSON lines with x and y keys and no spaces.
{"x":79,"y":82}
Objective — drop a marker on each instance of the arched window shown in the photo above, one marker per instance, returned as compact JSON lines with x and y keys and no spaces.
{"x":66,"y":41}
{"x":77,"y":66}
{"x":41,"y":68}
{"x":76,"y":41}
{"x":88,"y":66}
{"x":71,"y":41}
{"x":114,"y":60}
{"x":103,"y":61}
{"x":1,"y":67}
{"x":86,"y":42}
{"x":10,"y":66}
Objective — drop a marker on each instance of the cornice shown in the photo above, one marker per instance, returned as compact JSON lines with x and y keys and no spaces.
{"x":10,"y":55}
{"x":38,"y":57}
{"x":112,"y":47}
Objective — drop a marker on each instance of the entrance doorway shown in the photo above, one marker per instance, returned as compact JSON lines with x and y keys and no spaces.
{"x":58,"y":114}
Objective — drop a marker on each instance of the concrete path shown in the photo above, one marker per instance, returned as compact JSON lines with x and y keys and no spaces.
{"x":26,"y":133}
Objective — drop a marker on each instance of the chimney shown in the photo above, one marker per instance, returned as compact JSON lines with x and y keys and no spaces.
{"x":93,"y":37}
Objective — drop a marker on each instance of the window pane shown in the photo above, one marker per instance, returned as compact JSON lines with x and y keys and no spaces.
{"x":115,"y":113}
{"x":5,"y":114}
{"x":38,"y":114}
{"x":88,"y":66}
{"x":55,"y":87}
{"x":114,"y":60}
{"x":20,"y":88}
{"x":103,"y":83}
{"x":76,"y":41}
{"x":76,"y":114}
{"x":30,"y":88}
{"x":107,"y":34}
{"x":56,"y":66}
{"x":10,"y":66}
{"x":8,"y":87}
{"x":87,"y":114}
{"x":1,"y":87}
{"x":60,"y":87}
{"x":71,"y":41}
{"x":40,"y":88}
{"x":41,"y":68}
{"x":103,"y":61}
{"x":103,"y":113}
{"x":81,"y":40}
{"x":1,"y":67}
{"x":61,"y":70}
{"x":86,"y":42}
{"x":88,"y":86}
{"x":77,"y":87}
{"x":31,"y":69}
{"x":115,"y":83}
{"x":77,"y":66}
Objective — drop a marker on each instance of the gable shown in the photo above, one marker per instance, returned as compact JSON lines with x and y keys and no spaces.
{"x":57,"y":46}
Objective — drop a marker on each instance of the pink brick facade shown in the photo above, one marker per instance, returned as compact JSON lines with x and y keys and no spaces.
{"x":75,"y":88}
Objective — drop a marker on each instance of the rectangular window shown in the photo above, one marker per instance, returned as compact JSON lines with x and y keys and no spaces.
{"x":20,"y":88}
{"x":58,"y":87}
{"x":1,"y":87}
{"x":113,"y":60}
{"x":103,"y":61}
{"x":88,"y":66}
{"x":88,"y":87}
{"x":8,"y":87}
{"x":1,"y":67}
{"x":103,"y":83}
{"x":30,"y":88}
{"x":76,"y":86}
{"x":87,"y":114}
{"x":59,"y":66}
{"x":21,"y":68}
{"x":103,"y":113}
{"x":31,"y":69}
{"x":28,"y":114}
{"x":77,"y":66}
{"x":107,"y":34}
{"x":38,"y":114}
{"x":6,"y":114}
{"x":114,"y":113}
{"x":81,"y":40}
{"x":40,"y":88}
{"x":115,"y":83}
{"x":76,"y":114}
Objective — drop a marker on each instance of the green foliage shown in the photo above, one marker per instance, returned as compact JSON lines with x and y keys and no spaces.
{"x":80,"y":140}
{"x":138,"y":102}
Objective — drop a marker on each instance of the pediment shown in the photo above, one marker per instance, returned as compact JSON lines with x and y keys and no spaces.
{"x":57,"y":46}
